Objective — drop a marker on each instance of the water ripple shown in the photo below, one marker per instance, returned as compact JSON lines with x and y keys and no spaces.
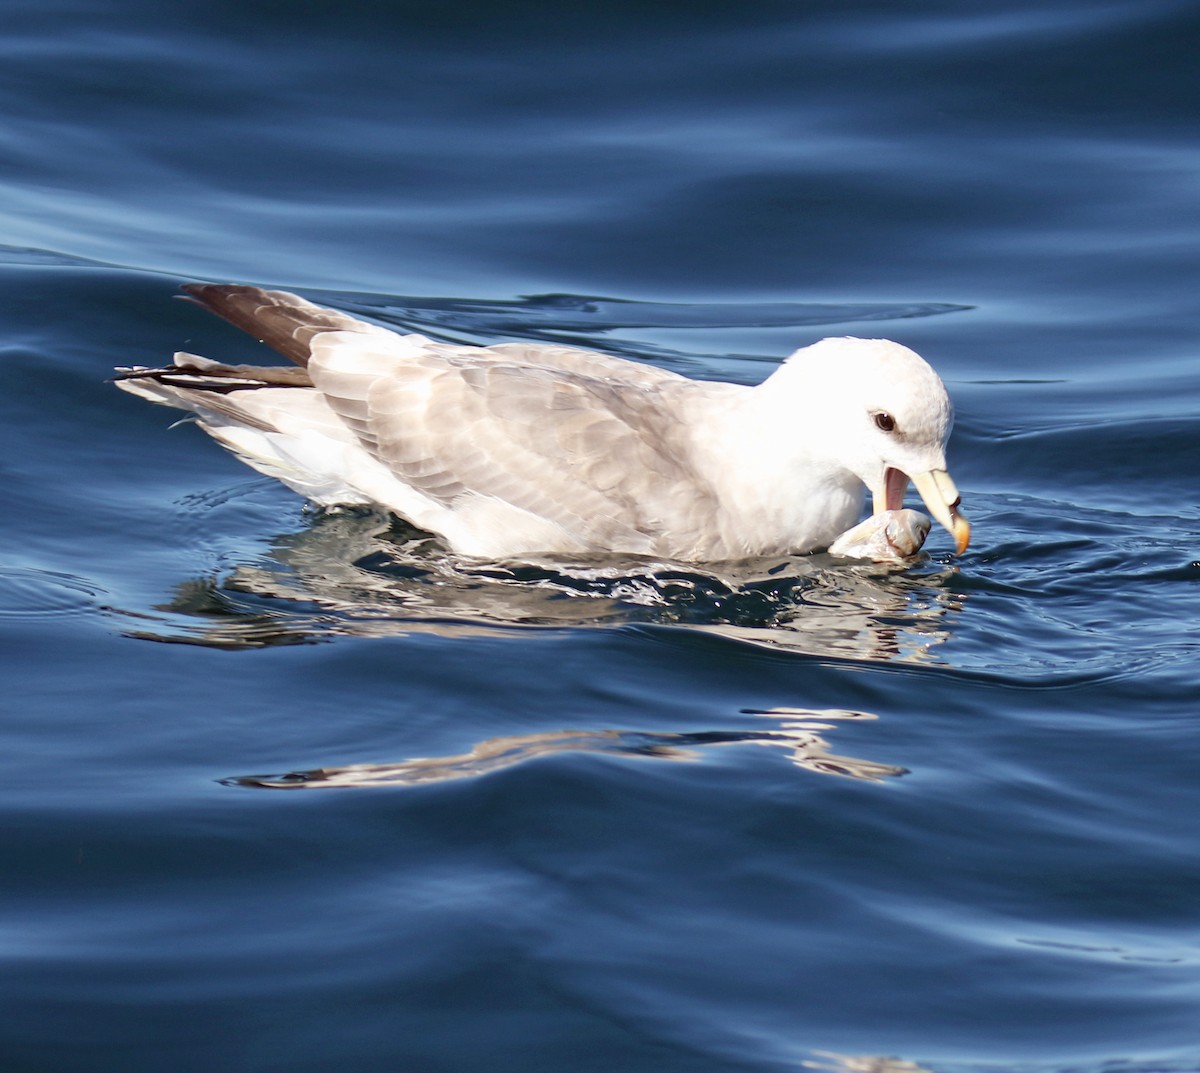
{"x":547,"y":315}
{"x":28,"y":593}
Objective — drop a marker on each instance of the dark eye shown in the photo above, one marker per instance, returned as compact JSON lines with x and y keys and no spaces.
{"x":885,"y":422}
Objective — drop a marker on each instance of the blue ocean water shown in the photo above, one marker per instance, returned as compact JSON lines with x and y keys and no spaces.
{"x":801,"y":815}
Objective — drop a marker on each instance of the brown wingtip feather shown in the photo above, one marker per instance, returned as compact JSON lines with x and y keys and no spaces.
{"x":284,"y":321}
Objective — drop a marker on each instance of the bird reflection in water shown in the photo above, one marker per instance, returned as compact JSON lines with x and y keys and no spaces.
{"x":863,"y":1063}
{"x":797,"y":731}
{"x":362,"y":574}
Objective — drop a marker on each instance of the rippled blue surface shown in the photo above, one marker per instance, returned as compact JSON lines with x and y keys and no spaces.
{"x":288,"y":792}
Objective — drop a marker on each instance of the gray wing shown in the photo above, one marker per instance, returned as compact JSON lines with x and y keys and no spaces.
{"x":589,"y":363}
{"x":609,"y":461}
{"x":597,"y":445}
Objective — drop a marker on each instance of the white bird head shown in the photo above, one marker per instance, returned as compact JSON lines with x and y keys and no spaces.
{"x":884,"y":415}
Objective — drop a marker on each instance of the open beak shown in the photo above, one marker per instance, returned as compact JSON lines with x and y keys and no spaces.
{"x":938,"y":492}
